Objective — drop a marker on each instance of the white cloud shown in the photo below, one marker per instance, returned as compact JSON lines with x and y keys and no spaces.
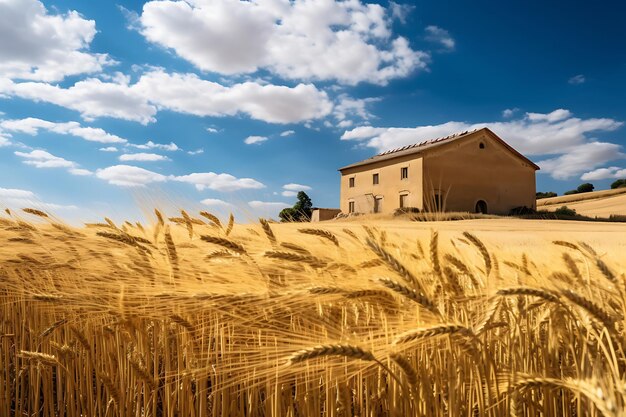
{"x":182,"y":93}
{"x":556,"y":133}
{"x":16,"y":193}
{"x":581,"y":158}
{"x":79,"y":171}
{"x":109,"y":149}
{"x":296,"y":187}
{"x":577,"y":79}
{"x":349,"y":108}
{"x":18,"y":199}
{"x":251,"y":140}
{"x":508,"y":113}
{"x":212,"y":130}
{"x":43,"y":159}
{"x":4,"y":140}
{"x":267,"y":205}
{"x":214,"y":202}
{"x":287,"y":133}
{"x":604,"y":173}
{"x":400,"y":11}
{"x":145,"y":157}
{"x":441,"y":36}
{"x":92,"y":98}
{"x":196,"y":152}
{"x":289,"y":193}
{"x":554,"y":116}
{"x":129,"y":176}
{"x":187,"y":93}
{"x":218,"y":182}
{"x":32,"y":126}
{"x":162,"y":146}
{"x":346,"y":41}
{"x":36,"y":45}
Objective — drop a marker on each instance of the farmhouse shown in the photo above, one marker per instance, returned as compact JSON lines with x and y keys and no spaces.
{"x":468,"y":172}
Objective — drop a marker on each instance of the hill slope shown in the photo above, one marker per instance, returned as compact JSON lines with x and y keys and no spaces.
{"x":594,"y":204}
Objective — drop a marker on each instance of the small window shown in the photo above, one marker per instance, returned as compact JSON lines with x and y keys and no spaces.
{"x":403,"y":200}
{"x":375,"y":179}
{"x":350,"y":206}
{"x":351,"y":182}
{"x":481,"y":146}
{"x":404,"y":173}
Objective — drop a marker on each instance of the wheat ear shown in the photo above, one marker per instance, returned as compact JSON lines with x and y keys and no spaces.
{"x":325,"y":234}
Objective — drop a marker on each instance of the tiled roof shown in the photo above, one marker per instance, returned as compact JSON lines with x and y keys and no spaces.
{"x":410,"y":149}
{"x":429,"y":144}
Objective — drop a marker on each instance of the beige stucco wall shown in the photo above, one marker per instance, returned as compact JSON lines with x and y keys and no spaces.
{"x":390,"y":185}
{"x":464,"y":173}
{"x":322,"y":214}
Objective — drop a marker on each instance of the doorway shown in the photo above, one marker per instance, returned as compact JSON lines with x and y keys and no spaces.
{"x":481,"y":207}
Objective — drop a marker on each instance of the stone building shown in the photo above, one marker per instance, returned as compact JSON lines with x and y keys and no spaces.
{"x":467,"y":172}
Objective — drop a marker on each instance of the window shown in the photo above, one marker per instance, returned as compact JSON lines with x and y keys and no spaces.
{"x":404,"y":173}
{"x":403,"y":200}
{"x":351,"y":182}
{"x":378,"y":204}
{"x":375,"y":179}
{"x":481,"y":146}
{"x":350,"y":206}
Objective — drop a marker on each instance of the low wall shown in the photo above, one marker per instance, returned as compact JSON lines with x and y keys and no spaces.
{"x":322,"y":214}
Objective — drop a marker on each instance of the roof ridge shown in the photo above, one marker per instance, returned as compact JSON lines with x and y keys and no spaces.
{"x":426,"y":142}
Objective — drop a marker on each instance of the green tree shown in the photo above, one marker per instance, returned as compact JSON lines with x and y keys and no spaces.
{"x":300,"y":212}
{"x":618,"y":184}
{"x":546,"y":194}
{"x":585,"y":188}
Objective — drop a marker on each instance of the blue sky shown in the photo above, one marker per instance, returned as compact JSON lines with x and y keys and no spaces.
{"x":110,"y":108}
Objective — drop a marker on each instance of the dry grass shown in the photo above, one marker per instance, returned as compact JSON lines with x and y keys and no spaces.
{"x":193,"y":318}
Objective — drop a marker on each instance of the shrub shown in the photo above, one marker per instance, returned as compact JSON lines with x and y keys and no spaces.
{"x":585,"y":188}
{"x":565,"y":211}
{"x":570,"y":192}
{"x":618,"y":184}
{"x":406,"y":210}
{"x":546,"y":194}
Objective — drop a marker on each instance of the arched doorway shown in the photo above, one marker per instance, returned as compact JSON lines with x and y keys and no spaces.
{"x":481,"y":207}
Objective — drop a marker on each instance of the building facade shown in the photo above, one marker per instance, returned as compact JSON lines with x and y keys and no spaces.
{"x":468,"y":172}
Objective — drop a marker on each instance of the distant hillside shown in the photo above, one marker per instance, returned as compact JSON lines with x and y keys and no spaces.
{"x":594,"y":204}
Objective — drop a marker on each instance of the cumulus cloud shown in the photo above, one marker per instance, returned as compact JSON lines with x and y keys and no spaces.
{"x":187,"y":93}
{"x":32,"y":126}
{"x":38,"y":45}
{"x":441,"y":36}
{"x":287,"y":133}
{"x":289,"y":193}
{"x":267,"y":205}
{"x":296,"y":187}
{"x":346,"y":41}
{"x":109,"y":149}
{"x":558,"y":134}
{"x":92,"y":98}
{"x":577,"y":79}
{"x":251,"y":140}
{"x":144,"y":157}
{"x":218,"y":182}
{"x":350,"y":108}
{"x":508,"y":113}
{"x":129,"y":176}
{"x":18,"y":198}
{"x":604,"y":173}
{"x":42,"y":159}
{"x":182,"y":93}
{"x":161,"y":146}
{"x":215,"y":202}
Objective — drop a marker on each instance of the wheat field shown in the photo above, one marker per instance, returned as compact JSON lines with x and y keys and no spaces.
{"x":191,"y":316}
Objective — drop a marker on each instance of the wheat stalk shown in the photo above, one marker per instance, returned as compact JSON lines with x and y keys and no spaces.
{"x":231,"y":223}
{"x":321,"y":233}
{"x":481,"y":248}
{"x":228,"y":244}
{"x":428,"y":332}
{"x":212,"y":218}
{"x":268,"y":231}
